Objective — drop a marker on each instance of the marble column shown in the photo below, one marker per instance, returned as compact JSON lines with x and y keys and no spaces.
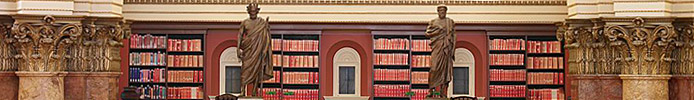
{"x":9,"y":85}
{"x":41,"y":85}
{"x":595,"y":87}
{"x":645,"y":87}
{"x":681,"y":87}
{"x":91,"y":86}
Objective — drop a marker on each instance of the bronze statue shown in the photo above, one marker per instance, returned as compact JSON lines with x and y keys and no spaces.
{"x":441,"y":31}
{"x":254,"y":50}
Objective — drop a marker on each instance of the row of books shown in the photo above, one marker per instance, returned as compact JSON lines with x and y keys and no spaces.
{"x":544,"y":47}
{"x":381,"y":90}
{"x":300,"y":77}
{"x":545,"y":63}
{"x":299,"y":45}
{"x":391,"y":44}
{"x":420,"y":94}
{"x":184,"y":93}
{"x":420,"y":77}
{"x":392,"y":74}
{"x":421,"y":45}
{"x":271,"y":93}
{"x":546,"y":94}
{"x":506,"y":59}
{"x":507,"y":75}
{"x":421,"y":60}
{"x":300,"y":94}
{"x":275,"y":78}
{"x":507,"y":90}
{"x":184,"y":61}
{"x":276,"y":44}
{"x":507,"y":44}
{"x":390,"y":59}
{"x":147,"y":58}
{"x":147,"y":75}
{"x":185,"y":76}
{"x":545,"y":78}
{"x":184,"y":45}
{"x":302,"y":61}
{"x":147,"y":41}
{"x":152,"y":91}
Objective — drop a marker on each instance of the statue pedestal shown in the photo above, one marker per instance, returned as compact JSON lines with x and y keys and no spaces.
{"x":681,"y":87}
{"x":645,"y":87}
{"x":596,"y":87}
{"x":41,"y":85}
{"x":250,"y":98}
{"x":91,"y":85}
{"x":9,"y":86}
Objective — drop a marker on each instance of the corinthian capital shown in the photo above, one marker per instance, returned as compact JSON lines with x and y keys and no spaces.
{"x":43,"y":46}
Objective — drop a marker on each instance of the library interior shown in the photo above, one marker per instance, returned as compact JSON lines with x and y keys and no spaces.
{"x":346,"y":49}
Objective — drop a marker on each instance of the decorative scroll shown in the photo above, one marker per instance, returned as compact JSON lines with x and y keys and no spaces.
{"x":684,"y":57}
{"x":43,"y":46}
{"x":99,"y":49}
{"x":648,"y":48}
{"x":6,"y":61}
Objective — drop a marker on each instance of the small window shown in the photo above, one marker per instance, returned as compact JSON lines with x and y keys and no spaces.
{"x":233,"y":79}
{"x":461,"y":80}
{"x":347,"y":80}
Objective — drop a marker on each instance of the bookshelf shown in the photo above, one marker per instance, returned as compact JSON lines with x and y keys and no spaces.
{"x":296,"y":68}
{"x":401,"y":67}
{"x":525,"y":68}
{"x":167,"y":66}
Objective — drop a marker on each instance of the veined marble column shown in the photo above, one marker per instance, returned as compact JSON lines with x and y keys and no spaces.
{"x":41,"y":85}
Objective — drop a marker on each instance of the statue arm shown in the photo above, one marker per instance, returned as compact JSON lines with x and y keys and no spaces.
{"x":239,"y":50}
{"x":432,"y":30}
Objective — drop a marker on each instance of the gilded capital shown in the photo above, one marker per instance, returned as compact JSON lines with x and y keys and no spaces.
{"x":43,"y":46}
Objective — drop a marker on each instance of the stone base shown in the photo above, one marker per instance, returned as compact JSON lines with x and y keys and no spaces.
{"x":9,"y":86}
{"x":596,"y":87}
{"x":681,"y":87}
{"x":91,"y":86}
{"x":645,"y":87}
{"x":41,"y":85}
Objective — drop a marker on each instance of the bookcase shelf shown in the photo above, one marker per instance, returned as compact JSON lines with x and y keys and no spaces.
{"x":404,"y":49}
{"x":287,"y":46}
{"x":164,"y":43}
{"x":543,"y":51}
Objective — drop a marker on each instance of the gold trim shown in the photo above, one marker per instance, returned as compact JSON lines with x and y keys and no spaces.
{"x":623,"y":11}
{"x":49,"y":0}
{"x":231,"y":12}
{"x":375,"y":22}
{"x":355,"y":2}
{"x":9,"y":10}
{"x":41,"y":9}
{"x":8,"y":0}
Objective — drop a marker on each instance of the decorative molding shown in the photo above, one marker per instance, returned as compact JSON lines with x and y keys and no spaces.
{"x":8,"y":0}
{"x":356,"y":2}
{"x":352,"y":22}
{"x":49,"y":0}
{"x":626,"y":11}
{"x":41,"y":9}
{"x":43,"y":47}
{"x":243,"y":12}
{"x":112,"y":3}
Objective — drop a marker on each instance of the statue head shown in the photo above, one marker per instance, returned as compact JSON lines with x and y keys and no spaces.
{"x":442,"y":11}
{"x":253,"y":10}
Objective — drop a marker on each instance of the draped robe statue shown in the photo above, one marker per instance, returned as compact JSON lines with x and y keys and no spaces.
{"x":254,"y":50}
{"x":441,"y":32}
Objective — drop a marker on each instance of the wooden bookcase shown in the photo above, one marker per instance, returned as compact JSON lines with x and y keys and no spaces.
{"x":408,"y":67}
{"x":525,"y":52}
{"x":166,"y":67}
{"x":283,"y":85}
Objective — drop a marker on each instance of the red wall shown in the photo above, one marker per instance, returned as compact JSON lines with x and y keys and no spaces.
{"x":476,"y":42}
{"x":330,"y":42}
{"x":215,"y":43}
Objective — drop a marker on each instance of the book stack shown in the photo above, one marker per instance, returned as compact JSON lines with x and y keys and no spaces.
{"x":390,"y":59}
{"x":506,"y":59}
{"x":381,"y":90}
{"x":152,"y":91}
{"x":507,"y":44}
{"x":185,"y":76}
{"x":507,"y":75}
{"x":271,"y":93}
{"x":300,"y":45}
{"x":184,"y":61}
{"x":277,"y":60}
{"x":421,"y":61}
{"x":184,"y":45}
{"x":147,"y":41}
{"x":300,"y":77}
{"x":391,"y":74}
{"x":300,"y":94}
{"x":544,"y":47}
{"x":275,"y":78}
{"x":546,"y":94}
{"x":420,"y":94}
{"x":507,"y":90}
{"x":420,"y":77}
{"x":276,"y":44}
{"x":147,"y":75}
{"x":545,"y":63}
{"x":545,"y":78}
{"x":391,"y":44}
{"x":184,"y":93}
{"x":147,"y":59}
{"x":302,"y":61}
{"x":421,"y":45}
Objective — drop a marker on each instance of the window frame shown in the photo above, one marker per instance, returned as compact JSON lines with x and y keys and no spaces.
{"x":227,"y":58}
{"x":464,"y":58}
{"x":346,"y":57}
